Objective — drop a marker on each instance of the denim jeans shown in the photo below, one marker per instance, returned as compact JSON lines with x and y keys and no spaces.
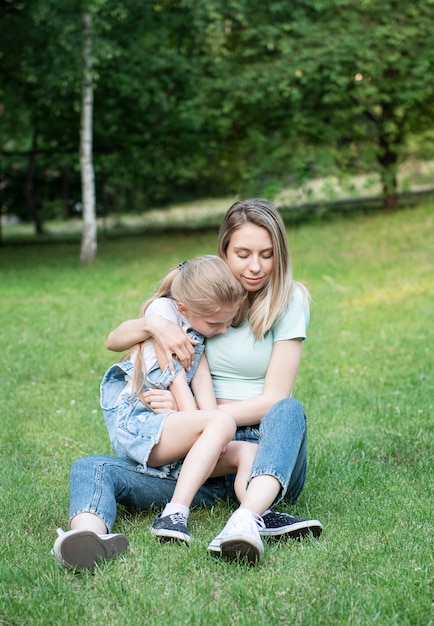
{"x":98,"y":483}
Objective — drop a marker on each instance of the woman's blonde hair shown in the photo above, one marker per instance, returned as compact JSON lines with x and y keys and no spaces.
{"x":204,"y":285}
{"x":268,"y":304}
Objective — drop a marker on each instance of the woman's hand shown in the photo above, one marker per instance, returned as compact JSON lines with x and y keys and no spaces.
{"x":172,"y":340}
{"x":159,"y":400}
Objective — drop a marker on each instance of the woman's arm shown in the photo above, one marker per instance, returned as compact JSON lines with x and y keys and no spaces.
{"x":128,"y":334}
{"x":279,"y":381}
{"x":168,"y":335}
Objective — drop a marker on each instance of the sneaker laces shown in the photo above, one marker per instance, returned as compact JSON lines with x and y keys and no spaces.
{"x":274,"y":518}
{"x":177,"y":518}
{"x":240,"y":519}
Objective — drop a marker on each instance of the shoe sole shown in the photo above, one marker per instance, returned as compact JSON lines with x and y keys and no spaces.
{"x":165,"y":536}
{"x":214,"y":550}
{"x":82,"y":549}
{"x":298,"y":531}
{"x":235,"y":549}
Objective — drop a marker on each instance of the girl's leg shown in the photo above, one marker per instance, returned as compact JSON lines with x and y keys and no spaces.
{"x":200,"y":436}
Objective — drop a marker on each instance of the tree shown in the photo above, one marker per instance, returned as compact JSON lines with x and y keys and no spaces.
{"x":369,"y":75}
{"x":38,"y":84}
{"x":195,"y":97}
{"x":89,"y":236}
{"x":348,"y":75}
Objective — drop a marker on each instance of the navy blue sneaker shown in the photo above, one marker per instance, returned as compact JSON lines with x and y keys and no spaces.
{"x":281,"y":525}
{"x":171,"y":528}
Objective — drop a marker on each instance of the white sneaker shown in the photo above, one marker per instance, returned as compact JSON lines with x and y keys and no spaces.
{"x":214,"y":546}
{"x":240,"y":538}
{"x":82,"y":549}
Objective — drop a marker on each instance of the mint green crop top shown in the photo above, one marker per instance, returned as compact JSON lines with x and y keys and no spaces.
{"x":238,"y":363}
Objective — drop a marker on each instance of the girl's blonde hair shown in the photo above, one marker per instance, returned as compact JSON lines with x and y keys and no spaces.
{"x":204,"y":285}
{"x":268,"y":304}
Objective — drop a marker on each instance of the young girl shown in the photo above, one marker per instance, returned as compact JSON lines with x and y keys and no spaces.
{"x":202,"y":297}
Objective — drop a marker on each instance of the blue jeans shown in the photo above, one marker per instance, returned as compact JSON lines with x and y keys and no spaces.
{"x":98,"y":483}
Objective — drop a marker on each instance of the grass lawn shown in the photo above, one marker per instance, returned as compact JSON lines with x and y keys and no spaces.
{"x":366,"y":382}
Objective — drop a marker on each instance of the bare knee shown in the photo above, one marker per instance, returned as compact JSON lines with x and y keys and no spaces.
{"x":224,"y":425}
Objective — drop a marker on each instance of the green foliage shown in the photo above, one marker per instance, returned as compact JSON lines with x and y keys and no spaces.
{"x":213,"y":97}
{"x":365,"y":381}
{"x":369,"y":75}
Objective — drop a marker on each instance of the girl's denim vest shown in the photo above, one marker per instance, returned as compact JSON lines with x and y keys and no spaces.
{"x":119,"y":409}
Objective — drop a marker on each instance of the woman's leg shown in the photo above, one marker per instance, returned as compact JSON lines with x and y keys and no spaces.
{"x":279,"y":470}
{"x":97,"y":483}
{"x":282,"y":451}
{"x":93,"y":493}
{"x":237,"y":459}
{"x":88,"y":521}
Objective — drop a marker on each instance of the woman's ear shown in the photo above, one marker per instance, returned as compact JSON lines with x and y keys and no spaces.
{"x":182,"y":309}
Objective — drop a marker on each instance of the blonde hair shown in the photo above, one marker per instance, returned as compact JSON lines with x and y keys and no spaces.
{"x":267,"y":305}
{"x":204,"y":285}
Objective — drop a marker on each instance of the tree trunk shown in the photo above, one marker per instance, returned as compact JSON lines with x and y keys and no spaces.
{"x":388,"y":160}
{"x":389,"y":142}
{"x":32,"y":205}
{"x":88,"y":241}
{"x":2,"y":204}
{"x":65,"y":192}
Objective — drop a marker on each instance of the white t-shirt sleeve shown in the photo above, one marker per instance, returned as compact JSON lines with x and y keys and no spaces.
{"x":165,"y":307}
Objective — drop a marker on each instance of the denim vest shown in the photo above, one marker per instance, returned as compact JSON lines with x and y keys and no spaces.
{"x":117,"y":407}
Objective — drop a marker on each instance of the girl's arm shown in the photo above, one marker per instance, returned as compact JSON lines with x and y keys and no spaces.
{"x":179,"y":388}
{"x":202,"y":386}
{"x":279,"y":381}
{"x":181,"y":393}
{"x":168,"y":335}
{"x":162,"y":401}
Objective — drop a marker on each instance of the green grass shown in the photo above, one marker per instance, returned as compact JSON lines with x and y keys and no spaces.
{"x":366,"y":381}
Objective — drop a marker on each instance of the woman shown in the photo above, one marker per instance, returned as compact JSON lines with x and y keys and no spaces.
{"x":253,"y":373}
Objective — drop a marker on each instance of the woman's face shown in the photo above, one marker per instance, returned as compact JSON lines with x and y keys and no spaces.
{"x":250,"y":256}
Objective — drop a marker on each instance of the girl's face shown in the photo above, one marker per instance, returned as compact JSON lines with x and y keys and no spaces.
{"x":250,"y":256}
{"x":213,"y":323}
